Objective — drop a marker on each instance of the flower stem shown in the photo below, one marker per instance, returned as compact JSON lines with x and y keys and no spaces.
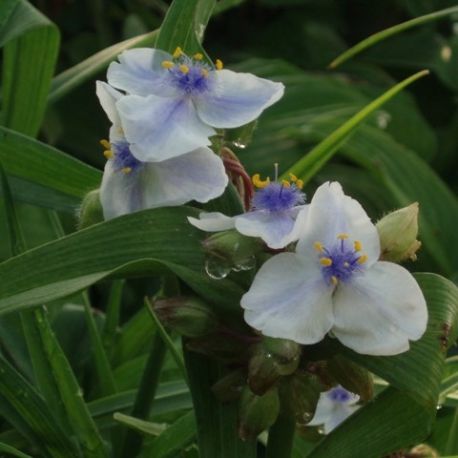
{"x":281,"y":434}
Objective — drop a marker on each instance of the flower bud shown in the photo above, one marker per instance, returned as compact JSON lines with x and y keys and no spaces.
{"x":398,"y":234}
{"x":90,"y":211}
{"x":423,"y":451}
{"x":272,"y":359}
{"x":257,"y":413}
{"x":229,"y":388}
{"x":304,"y":393}
{"x":232,"y":247}
{"x":220,"y":347}
{"x":188,"y":316}
{"x":352,"y":377}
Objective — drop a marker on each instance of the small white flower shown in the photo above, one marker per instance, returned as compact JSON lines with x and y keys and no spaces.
{"x":130,"y":185}
{"x":334,"y":406}
{"x":334,"y":282}
{"x":174,"y":102}
{"x":276,"y":216}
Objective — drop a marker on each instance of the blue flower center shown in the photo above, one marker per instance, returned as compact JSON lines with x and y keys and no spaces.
{"x":339,"y":395}
{"x":123,"y":158}
{"x":277,"y":197}
{"x":340,"y":261}
{"x":189,"y":74}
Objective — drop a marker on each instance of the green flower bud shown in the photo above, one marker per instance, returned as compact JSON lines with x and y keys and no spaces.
{"x":352,"y":377}
{"x":257,"y":413}
{"x":398,"y":234}
{"x":232,"y":247}
{"x":272,"y":359}
{"x":90,"y":211}
{"x":188,"y":316}
{"x":304,"y":393}
{"x":229,"y":388}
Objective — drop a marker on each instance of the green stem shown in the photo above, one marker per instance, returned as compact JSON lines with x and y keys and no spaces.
{"x":452,"y":442}
{"x":281,"y":434}
{"x":145,"y":395}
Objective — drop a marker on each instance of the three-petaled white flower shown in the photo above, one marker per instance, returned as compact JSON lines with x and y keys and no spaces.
{"x":172,"y":103}
{"x":277,"y":214}
{"x":335,"y":282}
{"x":129,"y":185}
{"x":334,"y":406}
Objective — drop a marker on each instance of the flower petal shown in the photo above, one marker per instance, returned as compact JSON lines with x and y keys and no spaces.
{"x":235,"y":99}
{"x":377,"y":313}
{"x":277,"y":229}
{"x":212,"y":222}
{"x":198,"y":175}
{"x":331,"y":212}
{"x":290,"y":300}
{"x":339,"y":415}
{"x":324,"y":410}
{"x":108,"y":97}
{"x":160,"y":128}
{"x":139,"y":72}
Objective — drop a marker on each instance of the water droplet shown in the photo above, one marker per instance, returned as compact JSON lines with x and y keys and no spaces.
{"x":216,"y":269}
{"x":239,"y":143}
{"x":246,"y":264}
{"x":383,"y":119}
{"x":306,"y":417}
{"x":321,"y":430}
{"x":268,"y":355}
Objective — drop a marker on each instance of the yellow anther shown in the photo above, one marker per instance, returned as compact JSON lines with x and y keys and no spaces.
{"x":256,"y":179}
{"x":177,"y":53}
{"x":286,"y":183}
{"x":334,"y":280}
{"x":204,"y":72}
{"x":126,"y":170}
{"x":168,"y":64}
{"x":219,"y":64}
{"x":358,"y":245}
{"x":108,"y":154}
{"x":105,"y":143}
{"x":198,"y":56}
{"x":318,"y":246}
{"x":293,"y":177}
{"x":326,"y":262}
{"x":362,"y":259}
{"x":184,"y":69}
{"x":299,"y":184}
{"x":342,"y":236}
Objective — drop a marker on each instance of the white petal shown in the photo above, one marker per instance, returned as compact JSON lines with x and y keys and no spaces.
{"x":161,"y":128}
{"x":324,"y":410}
{"x":212,"y":222}
{"x":340,"y":414}
{"x":235,"y":99}
{"x":290,"y":300}
{"x":108,"y":98}
{"x":277,"y":229}
{"x":198,"y":175}
{"x":378,"y":312}
{"x":330,"y":213}
{"x":139,"y":72}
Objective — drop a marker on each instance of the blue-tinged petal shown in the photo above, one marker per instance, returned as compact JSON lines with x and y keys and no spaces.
{"x":289,"y":299}
{"x":199,"y":175}
{"x":212,"y":222}
{"x":234,"y":99}
{"x":378,"y":312}
{"x":159,"y":128}
{"x":331,"y":213}
{"x":139,"y":72}
{"x":108,"y":98}
{"x":340,"y":414}
{"x":277,"y":229}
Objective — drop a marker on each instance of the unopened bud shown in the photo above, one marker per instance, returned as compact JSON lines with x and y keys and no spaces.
{"x":241,"y":136}
{"x":229,"y":388}
{"x":189,"y":317}
{"x":90,"y":211}
{"x":232,"y":247}
{"x":398,"y":234}
{"x":272,"y":359}
{"x":304,"y":393}
{"x":423,"y":451}
{"x":352,"y":377}
{"x":257,"y":413}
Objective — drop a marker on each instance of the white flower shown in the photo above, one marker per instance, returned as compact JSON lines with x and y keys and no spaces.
{"x":334,"y":282}
{"x":174,"y":102}
{"x":334,"y":406}
{"x":129,"y":185}
{"x":276,"y":217}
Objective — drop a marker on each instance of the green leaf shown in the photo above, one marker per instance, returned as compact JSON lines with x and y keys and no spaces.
{"x":31,"y":44}
{"x":146,"y":427}
{"x":12,"y":451}
{"x":136,"y":244}
{"x":64,"y":178}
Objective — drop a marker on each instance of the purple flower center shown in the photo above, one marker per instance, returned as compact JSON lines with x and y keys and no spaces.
{"x":123,"y":158}
{"x":340,"y":261}
{"x":339,"y":395}
{"x":277,"y":197}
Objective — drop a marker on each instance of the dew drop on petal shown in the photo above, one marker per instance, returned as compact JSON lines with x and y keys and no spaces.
{"x":216,"y":269}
